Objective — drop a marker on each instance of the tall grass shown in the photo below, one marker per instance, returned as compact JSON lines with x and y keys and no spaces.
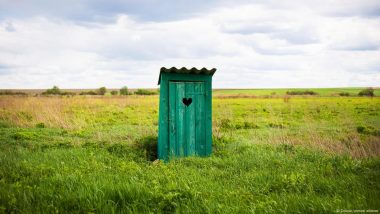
{"x":67,"y":112}
{"x":97,"y":154}
{"x":329,"y":124}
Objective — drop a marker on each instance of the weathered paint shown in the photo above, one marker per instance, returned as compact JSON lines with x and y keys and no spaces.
{"x":184,"y":130}
{"x":186,"y":122}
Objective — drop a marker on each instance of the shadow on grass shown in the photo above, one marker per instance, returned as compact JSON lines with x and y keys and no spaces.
{"x":148,"y":145}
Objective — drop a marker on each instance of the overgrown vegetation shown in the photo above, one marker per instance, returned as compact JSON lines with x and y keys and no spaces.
{"x":10,"y":92}
{"x":100,"y":91}
{"x":145,"y":92}
{"x":305,"y":92}
{"x":344,"y":94}
{"x":96,"y":155}
{"x":88,"y":93}
{"x":56,"y":91}
{"x":369,"y":92}
{"x":124,"y":91}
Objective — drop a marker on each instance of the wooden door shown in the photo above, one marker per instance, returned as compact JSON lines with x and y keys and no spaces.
{"x":187,"y":119}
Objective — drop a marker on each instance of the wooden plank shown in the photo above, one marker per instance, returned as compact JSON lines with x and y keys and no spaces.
{"x":200,"y":119}
{"x":190,"y":121}
{"x":163,"y":140}
{"x":203,"y":120}
{"x":172,"y":119}
{"x":180,"y":108}
{"x":208,"y":115}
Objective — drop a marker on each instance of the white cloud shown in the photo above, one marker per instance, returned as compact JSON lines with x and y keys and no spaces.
{"x":251,"y":45}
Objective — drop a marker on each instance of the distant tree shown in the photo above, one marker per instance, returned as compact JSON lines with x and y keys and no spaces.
{"x":54,"y":90}
{"x":88,"y":93}
{"x":145,"y":92}
{"x":344,"y":94}
{"x":124,"y":90}
{"x":102,"y":91}
{"x":367,"y":92}
{"x":114,"y":92}
{"x":306,"y":92}
{"x":9,"y":92}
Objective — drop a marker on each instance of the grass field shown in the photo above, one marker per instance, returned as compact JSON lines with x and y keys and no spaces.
{"x":282,"y":91}
{"x":270,"y":155}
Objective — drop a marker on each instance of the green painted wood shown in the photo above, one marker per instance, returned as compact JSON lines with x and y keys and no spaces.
{"x":190,"y":120}
{"x":185,"y":77}
{"x":208,"y":117}
{"x":180,"y":119}
{"x":185,"y":131}
{"x":163,"y":140}
{"x":172,"y":119}
{"x":199,"y":119}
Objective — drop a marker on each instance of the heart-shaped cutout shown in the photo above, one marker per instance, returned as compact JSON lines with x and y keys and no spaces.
{"x":187,"y":101}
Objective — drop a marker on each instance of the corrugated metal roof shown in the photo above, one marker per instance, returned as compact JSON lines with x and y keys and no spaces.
{"x":184,"y":70}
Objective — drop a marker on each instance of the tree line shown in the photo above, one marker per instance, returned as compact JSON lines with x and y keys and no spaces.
{"x":124,"y":91}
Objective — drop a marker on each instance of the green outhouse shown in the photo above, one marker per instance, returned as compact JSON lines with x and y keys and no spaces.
{"x":185,"y":123}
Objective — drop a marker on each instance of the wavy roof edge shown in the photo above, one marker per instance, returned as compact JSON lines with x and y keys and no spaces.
{"x":185,"y":70}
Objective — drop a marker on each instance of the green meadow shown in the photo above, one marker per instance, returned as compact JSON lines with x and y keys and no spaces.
{"x":274,"y":154}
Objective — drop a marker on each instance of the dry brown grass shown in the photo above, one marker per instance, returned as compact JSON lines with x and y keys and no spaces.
{"x":60,"y":112}
{"x":352,"y":146}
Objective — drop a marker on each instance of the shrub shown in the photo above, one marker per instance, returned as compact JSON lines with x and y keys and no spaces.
{"x":67,"y":93}
{"x":54,"y":90}
{"x":88,"y":93}
{"x":102,"y":91}
{"x":369,"y":92}
{"x":344,"y":94}
{"x":9,"y":92}
{"x":114,"y":92}
{"x":306,"y":92}
{"x":124,"y":90}
{"x":145,"y":92}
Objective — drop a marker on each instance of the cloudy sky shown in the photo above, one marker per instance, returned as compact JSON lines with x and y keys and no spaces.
{"x":253,"y":44}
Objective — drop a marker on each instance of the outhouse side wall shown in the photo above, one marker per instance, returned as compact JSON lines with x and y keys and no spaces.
{"x":163,"y":126}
